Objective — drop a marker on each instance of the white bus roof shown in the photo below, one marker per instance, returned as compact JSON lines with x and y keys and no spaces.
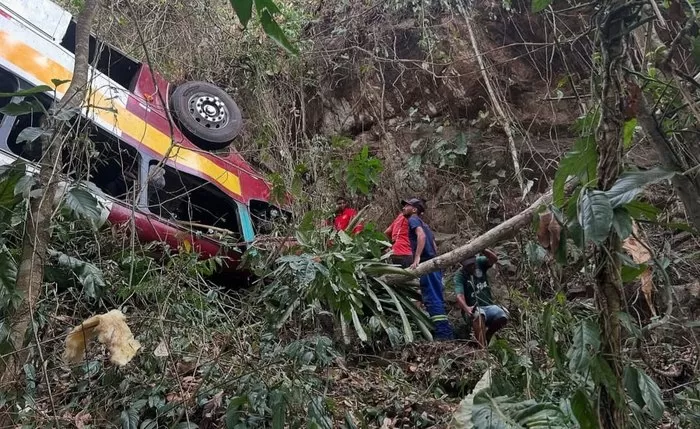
{"x":44,"y":15}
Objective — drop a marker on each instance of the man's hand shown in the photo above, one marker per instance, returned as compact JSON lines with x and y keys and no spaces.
{"x":415,"y":263}
{"x":470,"y":310}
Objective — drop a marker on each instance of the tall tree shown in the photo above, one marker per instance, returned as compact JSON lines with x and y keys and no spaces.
{"x":612,"y":22}
{"x":37,"y":231}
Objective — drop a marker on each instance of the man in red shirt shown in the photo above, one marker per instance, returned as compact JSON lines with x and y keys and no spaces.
{"x":401,"y":247}
{"x":343,"y":215}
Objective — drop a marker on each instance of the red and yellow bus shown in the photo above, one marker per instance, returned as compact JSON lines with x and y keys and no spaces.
{"x":160,"y":154}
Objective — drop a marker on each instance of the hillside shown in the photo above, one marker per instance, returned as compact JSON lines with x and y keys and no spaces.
{"x":472,"y":106}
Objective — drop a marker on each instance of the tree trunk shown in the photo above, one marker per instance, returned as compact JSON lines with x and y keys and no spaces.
{"x":495,"y":235}
{"x":612,"y":39}
{"x":37,"y":231}
{"x":681,"y":153}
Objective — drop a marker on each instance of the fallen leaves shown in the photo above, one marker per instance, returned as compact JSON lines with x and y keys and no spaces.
{"x":549,"y":232}
{"x":640,"y":254}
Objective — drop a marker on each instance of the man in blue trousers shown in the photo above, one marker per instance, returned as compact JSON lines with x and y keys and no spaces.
{"x":424,"y":248}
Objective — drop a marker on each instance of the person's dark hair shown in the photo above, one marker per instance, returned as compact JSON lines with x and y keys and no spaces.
{"x":341,"y":198}
{"x":469,"y":262}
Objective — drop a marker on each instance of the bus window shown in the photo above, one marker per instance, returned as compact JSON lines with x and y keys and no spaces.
{"x":110,"y":60}
{"x":113,"y":165}
{"x":28,"y":150}
{"x":191,"y":202}
{"x":265,"y":216}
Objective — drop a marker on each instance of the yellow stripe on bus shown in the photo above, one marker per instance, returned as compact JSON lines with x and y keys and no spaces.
{"x":114,"y":113}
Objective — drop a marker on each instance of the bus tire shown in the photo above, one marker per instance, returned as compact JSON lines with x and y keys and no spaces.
{"x":206,"y":114}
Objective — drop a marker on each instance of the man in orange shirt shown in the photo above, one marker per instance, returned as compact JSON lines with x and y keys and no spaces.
{"x":401,"y":247}
{"x":343,"y":215}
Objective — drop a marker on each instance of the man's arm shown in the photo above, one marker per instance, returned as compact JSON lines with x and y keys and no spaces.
{"x":491,"y":256}
{"x":388,"y":232}
{"x":459,"y":292}
{"x":420,"y":245}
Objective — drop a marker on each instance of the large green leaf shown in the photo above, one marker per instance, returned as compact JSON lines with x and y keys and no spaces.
{"x":31,"y":91}
{"x":407,"y":330}
{"x":632,"y":183}
{"x":89,"y":275}
{"x":581,"y":162}
{"x":358,"y":325}
{"x":584,"y":345}
{"x":273,"y":30}
{"x":595,"y":215}
{"x":243,"y":9}
{"x":639,"y":210}
{"x":8,"y":198}
{"x":540,"y":5}
{"x":31,"y":134}
{"x":22,"y":108}
{"x":83,"y":204}
{"x":602,"y":374}
{"x":269,"y":5}
{"x":504,"y":412}
{"x":622,"y":222}
{"x":278,"y":403}
{"x":652,"y":395}
{"x":129,"y":419}
{"x":583,"y":410}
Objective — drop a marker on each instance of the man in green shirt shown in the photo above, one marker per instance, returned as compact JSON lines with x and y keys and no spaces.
{"x":474,"y":296}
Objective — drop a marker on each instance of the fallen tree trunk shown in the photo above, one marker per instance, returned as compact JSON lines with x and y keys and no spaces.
{"x":495,"y":235}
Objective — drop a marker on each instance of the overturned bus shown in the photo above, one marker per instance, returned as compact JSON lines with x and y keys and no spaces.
{"x":159,"y":155}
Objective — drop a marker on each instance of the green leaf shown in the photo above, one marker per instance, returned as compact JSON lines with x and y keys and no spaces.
{"x":8,"y":279}
{"x":89,"y":275}
{"x":583,"y":410}
{"x":244,"y":10}
{"x":629,"y":324}
{"x":584,"y":345}
{"x":581,"y":162}
{"x":129,"y":419}
{"x":552,"y":345}
{"x":622,"y":222}
{"x":630,"y":274}
{"x":504,"y":412}
{"x":30,"y":134}
{"x":278,"y":403}
{"x":31,"y":91}
{"x":269,"y":5}
{"x":187,"y":425}
{"x":642,"y":211}
{"x":540,"y":5}
{"x":344,"y":237}
{"x":602,"y":373}
{"x":358,"y":325}
{"x":631,"y":383}
{"x":59,"y":82}
{"x":628,"y":132}
{"x":24,"y":186}
{"x":22,"y":108}
{"x":595,"y":215}
{"x":407,"y":330}
{"x":632,"y":183}
{"x":83,"y":204}
{"x":652,"y":395}
{"x":273,"y":30}
{"x":696,"y":50}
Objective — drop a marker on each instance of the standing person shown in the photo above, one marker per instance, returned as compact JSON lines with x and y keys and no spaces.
{"x":401,"y":246}
{"x":343,"y":215}
{"x":423,"y":249}
{"x":474,"y":296}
